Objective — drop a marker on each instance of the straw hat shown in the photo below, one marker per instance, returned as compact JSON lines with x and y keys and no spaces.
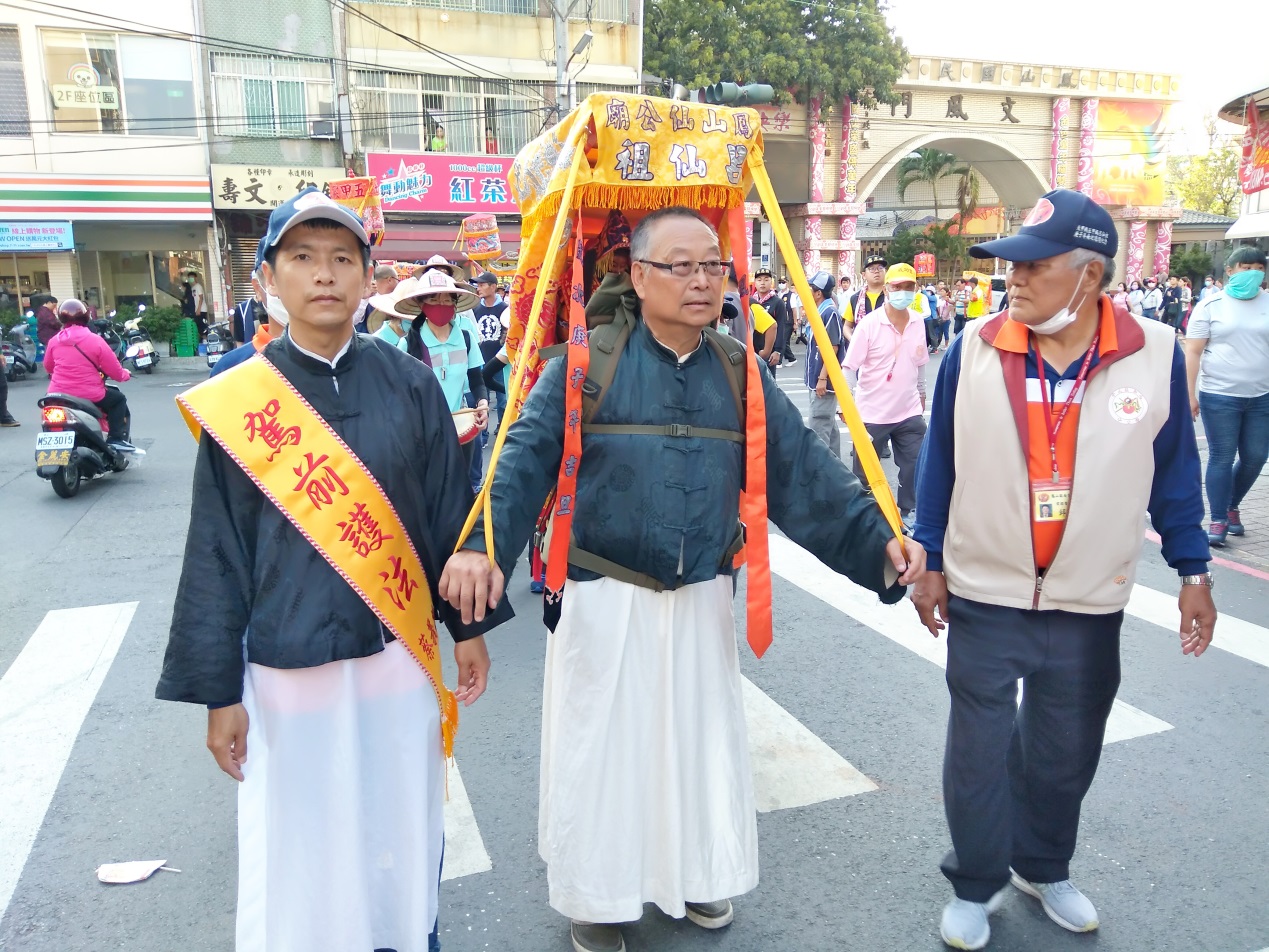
{"x":405,"y":300}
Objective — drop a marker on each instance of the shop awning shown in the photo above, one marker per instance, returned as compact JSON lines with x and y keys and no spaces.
{"x":33,"y":196}
{"x":1253,"y":225}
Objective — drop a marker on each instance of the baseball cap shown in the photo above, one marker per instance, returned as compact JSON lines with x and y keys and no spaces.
{"x":1061,"y":221}
{"x":487,"y":278}
{"x":822,"y":281}
{"x":875,"y":259}
{"x":901,"y":272}
{"x":763,"y":273}
{"x":308,"y":205}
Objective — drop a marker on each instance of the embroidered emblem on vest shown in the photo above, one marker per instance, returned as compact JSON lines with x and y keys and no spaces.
{"x":1128,"y":405}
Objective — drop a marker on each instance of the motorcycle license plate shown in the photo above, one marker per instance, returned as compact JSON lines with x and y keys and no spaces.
{"x":53,"y":449}
{"x":212,"y":358}
{"x":144,"y":361}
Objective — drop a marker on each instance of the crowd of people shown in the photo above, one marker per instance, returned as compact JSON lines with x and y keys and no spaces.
{"x":283,"y":629}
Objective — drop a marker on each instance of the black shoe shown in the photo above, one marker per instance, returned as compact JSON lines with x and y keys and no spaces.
{"x":122,"y":446}
{"x":7,"y":420}
{"x":710,"y":915}
{"x":884,"y":454}
{"x":596,"y":937}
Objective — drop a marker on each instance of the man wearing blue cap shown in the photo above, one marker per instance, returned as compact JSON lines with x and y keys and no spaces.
{"x":302,"y":618}
{"x":1055,"y":427}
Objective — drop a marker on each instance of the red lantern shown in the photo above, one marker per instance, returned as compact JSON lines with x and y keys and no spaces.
{"x":925,"y":264}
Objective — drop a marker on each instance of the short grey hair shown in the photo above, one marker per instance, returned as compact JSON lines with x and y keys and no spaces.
{"x":1084,"y":256}
{"x":641,"y":238}
{"x":384,"y":271}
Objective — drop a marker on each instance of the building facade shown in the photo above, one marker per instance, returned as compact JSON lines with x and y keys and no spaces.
{"x":1251,"y":111}
{"x":104,"y":191}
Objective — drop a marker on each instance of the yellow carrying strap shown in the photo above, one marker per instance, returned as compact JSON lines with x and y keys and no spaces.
{"x":854,"y":422}
{"x":320,"y":485}
{"x":557,"y":248}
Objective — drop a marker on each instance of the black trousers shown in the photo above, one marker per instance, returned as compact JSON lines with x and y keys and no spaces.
{"x":4,"y":393}
{"x":906,"y":437}
{"x":1015,"y":776}
{"x":115,"y":405}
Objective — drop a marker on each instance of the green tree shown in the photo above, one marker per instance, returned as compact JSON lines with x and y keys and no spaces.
{"x":1193,"y":263}
{"x":827,"y":48}
{"x":947,"y":247}
{"x":906,"y":245}
{"x":930,"y":166}
{"x":1209,"y":182}
{"x":968,"y":187}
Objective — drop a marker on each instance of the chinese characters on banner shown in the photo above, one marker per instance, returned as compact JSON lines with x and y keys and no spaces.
{"x":1253,"y":171}
{"x":264,"y":187}
{"x":441,"y":182}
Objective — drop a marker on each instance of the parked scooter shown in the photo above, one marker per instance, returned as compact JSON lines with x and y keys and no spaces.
{"x":138,"y":347}
{"x":109,"y":331}
{"x":19,"y":353}
{"x":71,"y":446}
{"x":220,"y":341}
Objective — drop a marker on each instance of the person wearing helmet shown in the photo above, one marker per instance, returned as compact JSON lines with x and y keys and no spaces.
{"x":77,"y":361}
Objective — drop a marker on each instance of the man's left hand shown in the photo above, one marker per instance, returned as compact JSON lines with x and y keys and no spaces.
{"x":910,"y":564}
{"x":1198,"y":618}
{"x":482,"y":414}
{"x":473,"y":669}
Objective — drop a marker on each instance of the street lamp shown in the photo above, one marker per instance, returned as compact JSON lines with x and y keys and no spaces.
{"x":586,"y":39}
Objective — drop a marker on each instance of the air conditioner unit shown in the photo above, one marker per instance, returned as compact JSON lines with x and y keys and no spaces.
{"x":321,"y":129}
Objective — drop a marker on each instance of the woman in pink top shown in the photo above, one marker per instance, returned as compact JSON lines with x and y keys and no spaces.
{"x":77,"y":360}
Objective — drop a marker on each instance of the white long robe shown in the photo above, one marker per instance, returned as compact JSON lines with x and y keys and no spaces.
{"x":340,"y":822}
{"x":646,"y":792}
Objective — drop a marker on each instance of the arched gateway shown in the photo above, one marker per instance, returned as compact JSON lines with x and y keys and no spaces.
{"x":1024,"y":127}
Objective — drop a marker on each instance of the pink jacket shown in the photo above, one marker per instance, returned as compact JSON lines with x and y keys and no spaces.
{"x":75,"y":360}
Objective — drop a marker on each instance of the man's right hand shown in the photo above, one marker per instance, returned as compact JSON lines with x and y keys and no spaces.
{"x":471,"y":584}
{"x":928,"y":594}
{"x":227,"y":738}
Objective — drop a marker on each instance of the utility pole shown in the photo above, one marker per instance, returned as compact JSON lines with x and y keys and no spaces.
{"x":563,"y":90}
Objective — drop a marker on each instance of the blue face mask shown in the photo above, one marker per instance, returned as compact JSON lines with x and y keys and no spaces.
{"x":1244,"y":285}
{"x":901,"y":300}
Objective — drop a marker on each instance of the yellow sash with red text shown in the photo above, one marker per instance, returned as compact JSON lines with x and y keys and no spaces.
{"x":329,"y":495}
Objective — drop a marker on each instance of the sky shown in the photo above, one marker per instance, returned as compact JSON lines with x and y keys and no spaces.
{"x":1158,"y":35}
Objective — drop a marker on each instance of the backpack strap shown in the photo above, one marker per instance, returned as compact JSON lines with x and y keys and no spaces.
{"x":732,"y":353}
{"x":670,"y":429}
{"x":607,"y":341}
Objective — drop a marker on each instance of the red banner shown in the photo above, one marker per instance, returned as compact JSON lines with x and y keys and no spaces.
{"x":440,"y":182}
{"x":925,"y":265}
{"x":1253,"y":171}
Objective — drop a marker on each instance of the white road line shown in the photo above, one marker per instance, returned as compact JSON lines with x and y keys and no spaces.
{"x":464,"y":849}
{"x":900,"y":624}
{"x":791,"y":766}
{"x":1234,"y":635}
{"x":44,"y":697}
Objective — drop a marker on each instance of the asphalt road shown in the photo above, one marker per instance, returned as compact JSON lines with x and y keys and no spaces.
{"x":1172,"y":847}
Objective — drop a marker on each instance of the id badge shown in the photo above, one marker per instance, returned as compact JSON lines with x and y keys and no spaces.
{"x":1050,"y":500}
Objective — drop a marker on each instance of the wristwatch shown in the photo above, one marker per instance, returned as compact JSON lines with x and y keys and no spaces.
{"x":1204,"y":579}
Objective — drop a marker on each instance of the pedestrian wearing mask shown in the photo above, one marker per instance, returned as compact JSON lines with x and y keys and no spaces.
{"x":1033,"y":554}
{"x":823,"y":417}
{"x":1136,"y":294}
{"x":888,"y":351}
{"x":1152,"y":302}
{"x":1227,"y":359}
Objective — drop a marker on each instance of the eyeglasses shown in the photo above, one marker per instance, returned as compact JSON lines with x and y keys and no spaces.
{"x":685,"y":269}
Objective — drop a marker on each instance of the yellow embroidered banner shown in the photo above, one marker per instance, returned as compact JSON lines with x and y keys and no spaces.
{"x":320,"y":485}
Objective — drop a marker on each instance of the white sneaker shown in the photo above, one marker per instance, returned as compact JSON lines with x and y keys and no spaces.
{"x":1062,"y":903}
{"x":964,"y":924}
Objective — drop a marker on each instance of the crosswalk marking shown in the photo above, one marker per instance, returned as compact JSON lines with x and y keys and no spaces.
{"x":44,"y":697}
{"x":1234,"y":635}
{"x":900,"y":624}
{"x":791,"y":766}
{"x":465,"y":852}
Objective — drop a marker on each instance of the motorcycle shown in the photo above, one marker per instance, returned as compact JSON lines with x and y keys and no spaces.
{"x":219,"y":342}
{"x":107,"y":330}
{"x":72,"y":446}
{"x":19,"y":353}
{"x":138,"y":347}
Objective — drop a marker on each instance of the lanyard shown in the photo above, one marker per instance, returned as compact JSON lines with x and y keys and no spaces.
{"x":1054,"y":426}
{"x":897,"y":347}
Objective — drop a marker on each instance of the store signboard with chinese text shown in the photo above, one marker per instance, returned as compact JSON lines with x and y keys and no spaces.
{"x":265,"y":187}
{"x":68,"y":96}
{"x":36,"y":236}
{"x":440,"y":182}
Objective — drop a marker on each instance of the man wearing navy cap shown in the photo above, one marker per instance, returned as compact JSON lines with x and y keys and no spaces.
{"x":331,"y":724}
{"x":1062,"y":422}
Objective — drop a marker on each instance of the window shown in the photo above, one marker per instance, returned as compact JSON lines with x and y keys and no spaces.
{"x":524,"y":8}
{"x":403,"y":111}
{"x":14,"y":118}
{"x":272,"y":96}
{"x":608,"y":11}
{"x":120,"y":84}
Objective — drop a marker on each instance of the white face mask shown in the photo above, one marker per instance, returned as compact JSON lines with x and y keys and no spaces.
{"x":276,"y":309}
{"x":1065,"y":317}
{"x":901,"y":300}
